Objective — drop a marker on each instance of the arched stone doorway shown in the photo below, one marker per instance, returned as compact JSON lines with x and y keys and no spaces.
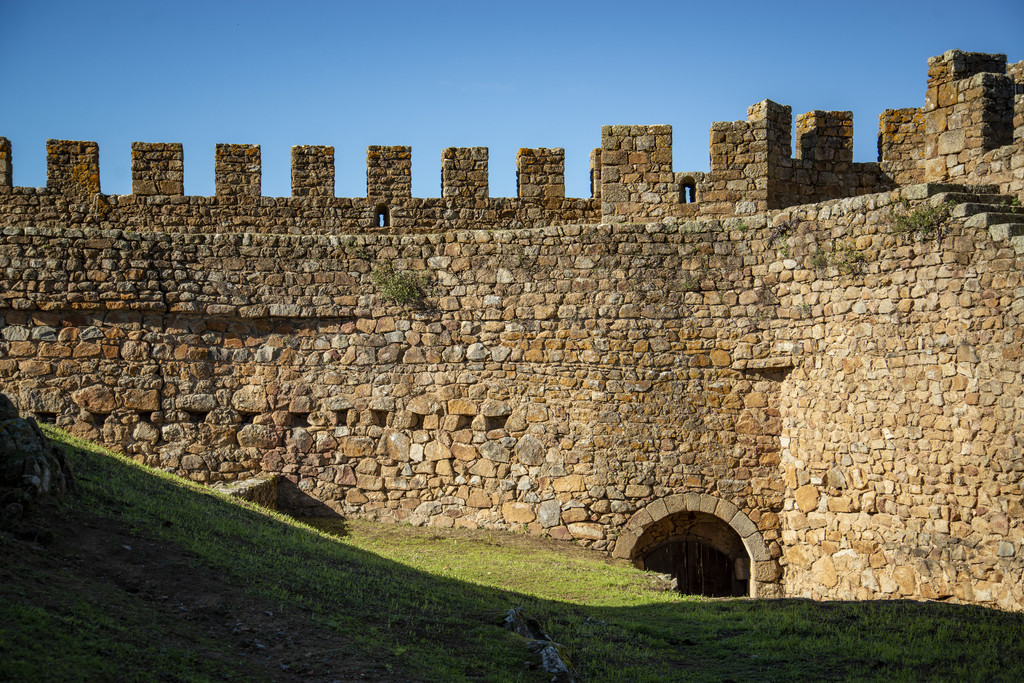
{"x":703,"y":553}
{"x":709,"y":545}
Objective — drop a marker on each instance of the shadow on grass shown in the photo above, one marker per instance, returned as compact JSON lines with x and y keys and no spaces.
{"x":434,"y":627}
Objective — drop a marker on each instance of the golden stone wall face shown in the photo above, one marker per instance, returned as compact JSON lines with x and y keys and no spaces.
{"x":852,"y":391}
{"x":900,"y":450}
{"x":554,"y":380}
{"x":840,"y":391}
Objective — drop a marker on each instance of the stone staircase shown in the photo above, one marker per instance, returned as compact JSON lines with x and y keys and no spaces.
{"x":983,"y":207}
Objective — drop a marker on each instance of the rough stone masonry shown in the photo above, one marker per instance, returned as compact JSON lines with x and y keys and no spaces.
{"x":810,"y":364}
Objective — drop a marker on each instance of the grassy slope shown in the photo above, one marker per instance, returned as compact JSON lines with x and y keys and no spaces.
{"x":427,"y":605}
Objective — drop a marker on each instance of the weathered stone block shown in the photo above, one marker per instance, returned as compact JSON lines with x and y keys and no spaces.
{"x":258,"y":436}
{"x":549,"y":513}
{"x":48,"y":400}
{"x":250,"y":399}
{"x":572,"y":482}
{"x":640,"y":520}
{"x":493,"y":450}
{"x":397,"y":445}
{"x":806,"y":498}
{"x":823,"y":572}
{"x":742,"y":524}
{"x":368,"y":482}
{"x":435,"y":450}
{"x":356,"y":448}
{"x":196,"y":403}
{"x":478,"y":499}
{"x":767,"y":571}
{"x":518,"y":513}
{"x":465,"y":452}
{"x":529,"y":450}
{"x":461,"y":407}
{"x":725,"y":510}
{"x":586,"y":530}
{"x":637,"y":491}
{"x":141,"y":399}
{"x":675,"y":503}
{"x":495,"y":409}
{"x":657,"y":510}
{"x":96,"y":399}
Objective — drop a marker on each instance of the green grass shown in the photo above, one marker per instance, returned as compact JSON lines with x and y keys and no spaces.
{"x":429,"y":604}
{"x":83,"y":640}
{"x":58,"y":626}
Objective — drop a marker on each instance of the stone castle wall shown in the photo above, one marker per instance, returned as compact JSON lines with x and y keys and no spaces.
{"x":842,"y":396}
{"x":852,"y":392}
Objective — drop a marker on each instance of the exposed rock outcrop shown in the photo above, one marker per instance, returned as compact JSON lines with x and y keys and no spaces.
{"x":31,"y":467}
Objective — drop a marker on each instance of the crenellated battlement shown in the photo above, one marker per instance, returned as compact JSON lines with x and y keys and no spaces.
{"x":825,"y":136}
{"x":464,"y":173}
{"x":237,"y":170}
{"x":158,"y":169}
{"x":72,"y":167}
{"x":972,"y":109}
{"x":540,"y":173}
{"x":965,"y":132}
{"x":5,"y":164}
{"x":389,"y":172}
{"x":312,"y":171}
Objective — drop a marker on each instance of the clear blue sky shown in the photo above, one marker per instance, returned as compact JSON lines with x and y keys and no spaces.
{"x":435,"y":74}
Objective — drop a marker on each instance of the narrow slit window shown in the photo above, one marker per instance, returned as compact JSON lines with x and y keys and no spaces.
{"x":383,"y":219}
{"x":688,"y":191}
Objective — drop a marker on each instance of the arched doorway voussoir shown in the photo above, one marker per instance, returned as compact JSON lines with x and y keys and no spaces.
{"x":765,"y":572}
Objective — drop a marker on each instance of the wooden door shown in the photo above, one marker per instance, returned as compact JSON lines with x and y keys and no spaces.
{"x":699,"y":568}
